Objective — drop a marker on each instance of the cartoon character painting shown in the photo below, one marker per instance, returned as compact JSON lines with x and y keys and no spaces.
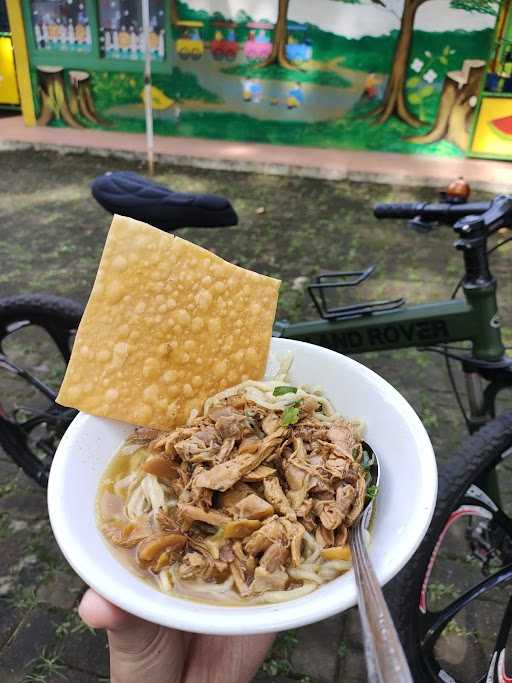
{"x":247,"y":89}
{"x":252,"y":90}
{"x":257,"y":91}
{"x":258,"y":45}
{"x":224,"y":45}
{"x":190,"y":43}
{"x":295,"y":97}
{"x":371,"y":87}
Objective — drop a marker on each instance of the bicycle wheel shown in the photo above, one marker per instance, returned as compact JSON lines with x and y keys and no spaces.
{"x":452,"y":603}
{"x":36,"y":337}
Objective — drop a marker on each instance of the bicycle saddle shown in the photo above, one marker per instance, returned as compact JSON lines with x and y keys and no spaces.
{"x":130,"y":194}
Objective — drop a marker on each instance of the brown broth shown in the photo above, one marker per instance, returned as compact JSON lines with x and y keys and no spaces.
{"x":110,"y":506}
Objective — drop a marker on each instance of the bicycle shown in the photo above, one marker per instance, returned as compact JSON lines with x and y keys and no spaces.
{"x":468,"y":483}
{"x":468,"y":488}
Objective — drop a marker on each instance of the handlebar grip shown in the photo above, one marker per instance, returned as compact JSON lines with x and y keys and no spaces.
{"x":397,"y":210}
{"x":442,"y":213}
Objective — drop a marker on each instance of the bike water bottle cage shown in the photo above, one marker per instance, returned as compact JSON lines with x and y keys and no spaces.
{"x":130,"y":194}
{"x":332,"y":280}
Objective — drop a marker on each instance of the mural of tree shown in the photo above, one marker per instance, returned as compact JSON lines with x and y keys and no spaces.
{"x":54,"y":103}
{"x":278,"y":54}
{"x":395,"y":100}
{"x":455,"y":111}
{"x":175,"y":15}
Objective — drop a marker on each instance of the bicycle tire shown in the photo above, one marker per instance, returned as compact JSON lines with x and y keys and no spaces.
{"x":57,"y":315}
{"x":478,"y":454}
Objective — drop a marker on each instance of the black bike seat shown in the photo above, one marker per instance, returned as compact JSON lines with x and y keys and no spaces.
{"x":130,"y":194}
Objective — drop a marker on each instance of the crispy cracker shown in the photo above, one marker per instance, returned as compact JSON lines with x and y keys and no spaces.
{"x":167,"y":324}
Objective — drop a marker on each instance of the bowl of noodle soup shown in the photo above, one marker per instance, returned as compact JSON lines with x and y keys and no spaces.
{"x":319,"y":584}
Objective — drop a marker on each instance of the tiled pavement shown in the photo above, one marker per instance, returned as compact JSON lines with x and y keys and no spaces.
{"x":308,"y":162}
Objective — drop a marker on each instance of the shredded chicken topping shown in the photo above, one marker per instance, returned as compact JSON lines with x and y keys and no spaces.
{"x":249,"y":502}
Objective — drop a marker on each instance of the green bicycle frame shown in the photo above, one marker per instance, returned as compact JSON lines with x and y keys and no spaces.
{"x":474,"y":318}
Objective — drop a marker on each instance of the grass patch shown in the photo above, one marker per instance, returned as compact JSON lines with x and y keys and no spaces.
{"x":24,"y":598}
{"x":49,"y":558}
{"x":277,"y":662}
{"x":5,"y":525}
{"x":439,"y":592}
{"x":47,"y":666}
{"x":6,"y":488}
{"x":454,"y":629}
{"x":343,"y":649}
{"x":72,"y":624}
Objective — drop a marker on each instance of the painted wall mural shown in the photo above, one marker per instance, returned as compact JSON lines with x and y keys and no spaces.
{"x":492,"y":134}
{"x":61,"y":25}
{"x":389,"y":75}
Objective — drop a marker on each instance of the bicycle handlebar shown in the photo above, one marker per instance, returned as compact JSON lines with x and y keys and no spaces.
{"x":441,"y":212}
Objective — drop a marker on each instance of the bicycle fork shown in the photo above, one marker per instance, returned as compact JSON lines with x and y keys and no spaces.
{"x":478,"y":416}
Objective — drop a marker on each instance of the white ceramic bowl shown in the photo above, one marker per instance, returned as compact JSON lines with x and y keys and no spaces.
{"x":405,"y":502}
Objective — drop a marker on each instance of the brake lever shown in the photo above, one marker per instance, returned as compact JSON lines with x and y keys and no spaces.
{"x":419,"y":225}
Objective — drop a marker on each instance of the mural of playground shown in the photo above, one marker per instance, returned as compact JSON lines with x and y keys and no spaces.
{"x":393,"y":75}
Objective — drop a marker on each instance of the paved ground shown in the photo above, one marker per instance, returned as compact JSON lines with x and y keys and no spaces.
{"x":52,"y":233}
{"x":308,"y":162}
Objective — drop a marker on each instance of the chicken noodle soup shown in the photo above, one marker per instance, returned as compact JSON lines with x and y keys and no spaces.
{"x":249,"y":503}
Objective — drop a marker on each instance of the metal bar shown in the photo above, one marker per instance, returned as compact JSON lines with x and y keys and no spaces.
{"x":148,"y":102}
{"x":5,"y":364}
{"x":488,"y":344}
{"x":410,"y":326}
{"x":476,"y":399}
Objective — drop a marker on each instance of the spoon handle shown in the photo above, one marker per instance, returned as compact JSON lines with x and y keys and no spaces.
{"x":385,"y":659}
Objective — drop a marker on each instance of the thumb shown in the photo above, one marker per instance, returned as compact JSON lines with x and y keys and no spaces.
{"x":127,"y":633}
{"x":138,"y":648}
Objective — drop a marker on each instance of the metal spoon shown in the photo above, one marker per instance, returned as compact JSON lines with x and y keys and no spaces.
{"x":385,"y":659}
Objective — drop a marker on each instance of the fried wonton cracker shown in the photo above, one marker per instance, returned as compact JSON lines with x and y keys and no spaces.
{"x":167,"y":324}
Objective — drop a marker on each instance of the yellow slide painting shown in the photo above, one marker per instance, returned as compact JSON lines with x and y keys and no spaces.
{"x":493,"y":132}
{"x":8,"y":85}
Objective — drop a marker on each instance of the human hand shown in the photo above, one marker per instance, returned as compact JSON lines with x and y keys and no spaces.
{"x":141,"y":651}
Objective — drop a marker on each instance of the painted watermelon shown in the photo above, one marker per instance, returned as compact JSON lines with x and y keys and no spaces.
{"x":502,"y":127}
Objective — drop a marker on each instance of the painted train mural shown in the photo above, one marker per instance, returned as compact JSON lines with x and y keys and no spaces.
{"x":413,"y":76}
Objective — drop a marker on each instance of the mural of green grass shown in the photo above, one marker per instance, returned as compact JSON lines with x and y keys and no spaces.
{"x":357,"y":130}
{"x":277,"y":73}
{"x":115,"y":88}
